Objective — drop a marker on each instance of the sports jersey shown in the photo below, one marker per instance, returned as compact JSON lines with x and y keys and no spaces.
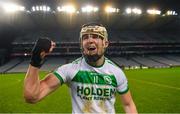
{"x":92,"y":88}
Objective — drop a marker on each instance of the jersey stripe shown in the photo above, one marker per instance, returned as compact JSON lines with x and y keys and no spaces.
{"x":91,"y":77}
{"x":59,"y":77}
{"x":123,"y":92}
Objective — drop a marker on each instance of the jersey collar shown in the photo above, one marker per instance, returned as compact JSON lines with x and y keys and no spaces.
{"x":93,"y":65}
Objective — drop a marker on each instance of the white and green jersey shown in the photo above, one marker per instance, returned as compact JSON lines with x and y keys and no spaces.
{"x":92,"y":89}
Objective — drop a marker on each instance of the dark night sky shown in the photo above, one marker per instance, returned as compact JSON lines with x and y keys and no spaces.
{"x":121,"y":4}
{"x":144,"y":4}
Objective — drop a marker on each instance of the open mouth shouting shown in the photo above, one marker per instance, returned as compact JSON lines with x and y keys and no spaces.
{"x":90,"y":50}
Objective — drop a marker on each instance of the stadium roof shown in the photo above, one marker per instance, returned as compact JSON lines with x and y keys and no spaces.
{"x":41,"y":20}
{"x":121,"y":3}
{"x":162,"y":4}
{"x":27,"y":19}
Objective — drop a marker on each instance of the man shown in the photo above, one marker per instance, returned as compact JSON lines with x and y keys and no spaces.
{"x":93,"y":79}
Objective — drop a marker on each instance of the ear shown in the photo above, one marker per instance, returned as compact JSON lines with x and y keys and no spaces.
{"x":106,"y":44}
{"x":80,"y":43}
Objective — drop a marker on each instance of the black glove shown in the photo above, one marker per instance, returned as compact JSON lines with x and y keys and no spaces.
{"x":42,"y":44}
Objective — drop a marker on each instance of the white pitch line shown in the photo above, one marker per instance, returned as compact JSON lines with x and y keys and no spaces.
{"x":156,"y":84}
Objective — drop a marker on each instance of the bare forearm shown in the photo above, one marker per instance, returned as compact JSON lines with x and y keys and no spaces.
{"x":31,"y":83}
{"x":128,"y":103}
{"x":130,"y":108}
{"x":35,"y":89}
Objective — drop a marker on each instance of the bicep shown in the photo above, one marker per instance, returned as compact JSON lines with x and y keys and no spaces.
{"x":48,"y":85}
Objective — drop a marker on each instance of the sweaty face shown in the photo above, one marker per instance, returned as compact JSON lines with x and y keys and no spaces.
{"x":93,"y":47}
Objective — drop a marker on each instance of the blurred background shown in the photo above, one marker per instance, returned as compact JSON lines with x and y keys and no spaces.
{"x":144,"y":40}
{"x":142,"y":34}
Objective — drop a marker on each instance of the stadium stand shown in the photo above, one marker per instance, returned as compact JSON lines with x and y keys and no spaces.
{"x":22,"y":67}
{"x":145,"y":61}
{"x":125,"y":62}
{"x":129,"y":48}
{"x":166,"y":61}
{"x":11,"y":64}
{"x":173,"y":57}
{"x":135,"y":41}
{"x":53,"y":63}
{"x":121,"y":35}
{"x":152,"y":61}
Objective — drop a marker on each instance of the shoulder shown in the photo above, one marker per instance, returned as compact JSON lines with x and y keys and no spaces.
{"x":67,"y":71}
{"x":115,"y":69}
{"x":71,"y":65}
{"x":77,"y":61}
{"x":112,"y":64}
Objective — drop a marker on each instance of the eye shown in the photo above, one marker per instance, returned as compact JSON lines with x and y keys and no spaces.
{"x":86,"y":36}
{"x":94,"y":36}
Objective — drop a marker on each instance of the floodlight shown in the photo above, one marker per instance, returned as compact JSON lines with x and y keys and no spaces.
{"x":37,"y":8}
{"x":153,"y":11}
{"x":59,"y":9}
{"x":40,"y":8}
{"x":136,"y":11}
{"x":43,"y":8}
{"x":67,"y":8}
{"x":48,"y":8}
{"x":128,"y":10}
{"x":33,"y":8}
{"x":89,"y":9}
{"x":11,"y":7}
{"x":170,"y":12}
{"x":109,"y":9}
{"x":95,"y":9}
{"x":21,"y":8}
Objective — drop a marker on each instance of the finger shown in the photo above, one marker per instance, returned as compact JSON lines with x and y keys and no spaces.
{"x":43,"y":54}
{"x":53,"y":45}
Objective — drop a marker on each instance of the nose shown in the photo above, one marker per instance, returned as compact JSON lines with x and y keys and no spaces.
{"x":90,"y":38}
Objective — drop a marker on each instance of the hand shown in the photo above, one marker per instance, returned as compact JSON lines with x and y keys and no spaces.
{"x":43,"y":53}
{"x":42,"y":47}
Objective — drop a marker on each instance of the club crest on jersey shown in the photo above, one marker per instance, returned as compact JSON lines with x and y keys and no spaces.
{"x":107,"y":80}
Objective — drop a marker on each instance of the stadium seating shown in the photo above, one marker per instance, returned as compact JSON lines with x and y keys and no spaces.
{"x":22,"y":67}
{"x":12,"y":63}
{"x":173,"y":57}
{"x":53,"y":63}
{"x":125,"y":62}
{"x":151,"y":61}
{"x":145,"y":61}
{"x":165,"y":60}
{"x":125,"y":45}
{"x":114,"y":35}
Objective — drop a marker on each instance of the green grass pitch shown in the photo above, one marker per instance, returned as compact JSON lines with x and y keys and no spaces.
{"x":153,"y":91}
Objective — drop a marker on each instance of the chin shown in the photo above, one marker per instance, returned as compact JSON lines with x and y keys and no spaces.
{"x":92,"y":58}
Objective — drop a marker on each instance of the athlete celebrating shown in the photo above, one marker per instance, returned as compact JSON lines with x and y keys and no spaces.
{"x":93,"y":79}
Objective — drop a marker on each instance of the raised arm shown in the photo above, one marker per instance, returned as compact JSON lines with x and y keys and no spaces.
{"x":34,"y":88}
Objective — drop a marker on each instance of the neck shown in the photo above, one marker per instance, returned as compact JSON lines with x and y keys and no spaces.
{"x":97,"y":63}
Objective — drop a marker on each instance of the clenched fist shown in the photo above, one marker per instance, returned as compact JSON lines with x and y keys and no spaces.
{"x":42,"y":47}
